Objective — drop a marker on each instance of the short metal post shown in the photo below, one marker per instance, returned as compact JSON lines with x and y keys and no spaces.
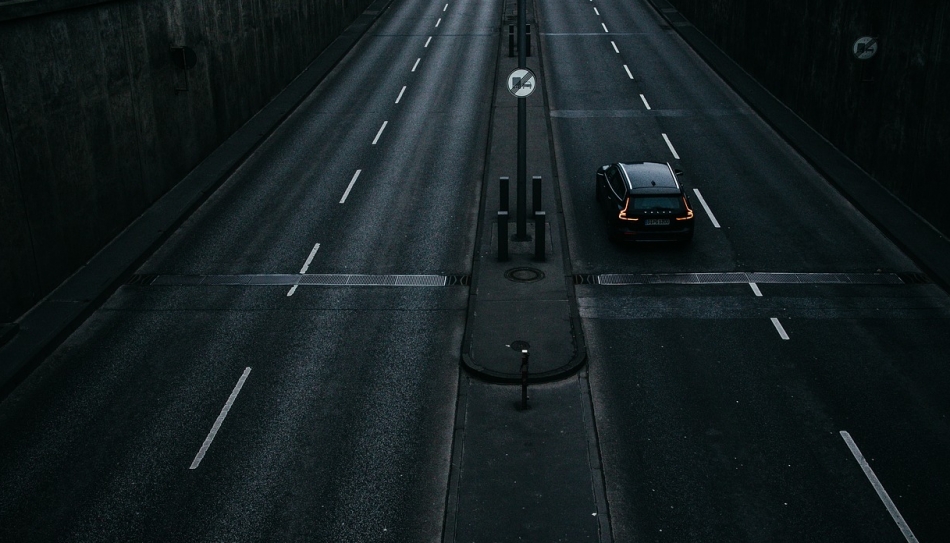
{"x":527,"y":48}
{"x":521,"y":213}
{"x":511,"y":40}
{"x":536,"y":193}
{"x":539,"y":233}
{"x":503,"y":193}
{"x":502,"y":236}
{"x":524,"y":378}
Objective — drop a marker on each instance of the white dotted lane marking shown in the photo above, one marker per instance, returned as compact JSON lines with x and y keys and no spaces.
{"x":709,"y":212}
{"x":605,"y":27}
{"x":398,"y":98}
{"x":380,"y":133}
{"x":627,"y":69}
{"x":597,"y":12}
{"x":755,"y":289}
{"x":670,"y":145}
{"x":437,"y":22}
{"x":779,"y":328}
{"x":416,"y":65}
{"x":427,"y":42}
{"x":350,"y":186}
{"x":879,"y":488}
{"x":645,"y":103}
{"x":220,"y":419}
{"x":445,"y":8}
{"x":615,"y":47}
{"x":306,"y":265}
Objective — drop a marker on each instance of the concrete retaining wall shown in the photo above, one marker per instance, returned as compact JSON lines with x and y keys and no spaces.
{"x":92,"y":128}
{"x":890,"y":114}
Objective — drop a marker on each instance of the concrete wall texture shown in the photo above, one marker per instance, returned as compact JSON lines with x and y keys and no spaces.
{"x":92,"y":128}
{"x":890,"y":114}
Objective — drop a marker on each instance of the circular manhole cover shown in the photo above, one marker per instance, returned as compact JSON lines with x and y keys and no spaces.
{"x":524,"y":275}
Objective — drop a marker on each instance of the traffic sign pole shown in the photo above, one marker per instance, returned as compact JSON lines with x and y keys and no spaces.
{"x":522,"y":234}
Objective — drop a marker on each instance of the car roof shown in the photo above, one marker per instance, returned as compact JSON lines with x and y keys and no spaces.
{"x":649,"y":177}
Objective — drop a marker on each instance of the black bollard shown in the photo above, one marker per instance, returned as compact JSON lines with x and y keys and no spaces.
{"x":503,"y":193}
{"x":527,"y":39}
{"x":536,"y":193}
{"x":539,"y":232}
{"x":524,"y":378}
{"x":502,"y":236}
{"x":511,"y":40}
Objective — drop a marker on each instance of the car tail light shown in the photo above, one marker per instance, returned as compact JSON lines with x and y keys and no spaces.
{"x":689,"y":211}
{"x":623,"y":213}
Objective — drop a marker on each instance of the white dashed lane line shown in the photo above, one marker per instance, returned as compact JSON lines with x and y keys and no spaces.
{"x":380,"y":133}
{"x":627,"y":69}
{"x":779,"y":328}
{"x":427,"y":42}
{"x":755,"y":289}
{"x":669,"y":144}
{"x":879,"y":488}
{"x":416,"y":65}
{"x":437,"y":22}
{"x":597,"y":12}
{"x":645,"y":103}
{"x":398,"y":98}
{"x":350,"y":186}
{"x":306,"y":265}
{"x":220,"y":419}
{"x":709,"y":212}
{"x":615,"y":47}
{"x":605,"y":27}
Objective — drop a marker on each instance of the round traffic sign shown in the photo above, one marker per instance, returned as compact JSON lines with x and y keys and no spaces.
{"x":522,"y":82}
{"x":864,"y":48}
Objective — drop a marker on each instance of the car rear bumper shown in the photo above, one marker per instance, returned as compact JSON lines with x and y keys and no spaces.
{"x":645,"y":234}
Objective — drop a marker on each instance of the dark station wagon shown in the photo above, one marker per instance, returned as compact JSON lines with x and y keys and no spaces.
{"x":644,"y":201}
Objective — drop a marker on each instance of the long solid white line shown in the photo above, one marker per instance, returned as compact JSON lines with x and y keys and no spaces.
{"x":427,"y":42}
{"x":437,"y":22}
{"x":706,"y":207}
{"x":313,"y":253}
{"x":398,"y":98}
{"x":755,"y":289}
{"x":670,"y":145}
{"x":380,"y":133}
{"x":350,"y":186}
{"x":879,"y":488}
{"x":630,"y":75}
{"x":605,"y":27}
{"x":416,"y":64}
{"x":615,"y":47}
{"x":779,"y":328}
{"x":597,"y":12}
{"x":644,"y":98}
{"x":220,"y":419}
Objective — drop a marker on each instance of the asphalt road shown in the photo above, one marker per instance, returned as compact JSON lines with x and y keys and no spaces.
{"x":712,"y":425}
{"x":190,"y":409}
{"x":246,"y":413}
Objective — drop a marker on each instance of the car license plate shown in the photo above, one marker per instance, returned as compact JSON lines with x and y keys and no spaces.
{"x":657,"y":222}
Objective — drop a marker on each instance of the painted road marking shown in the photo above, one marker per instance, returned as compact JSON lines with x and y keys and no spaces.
{"x":630,"y":75}
{"x":220,"y":419}
{"x":306,"y":265}
{"x":755,"y":289}
{"x":414,"y":66}
{"x":615,"y":47}
{"x":437,"y":22}
{"x":605,"y":27}
{"x":644,"y":98}
{"x":427,"y":41}
{"x":879,"y":488}
{"x":380,"y":133}
{"x":398,"y":98}
{"x":706,"y":207}
{"x":779,"y":328}
{"x":350,"y":186}
{"x":670,"y":145}
{"x":597,"y":12}
{"x":445,"y":8}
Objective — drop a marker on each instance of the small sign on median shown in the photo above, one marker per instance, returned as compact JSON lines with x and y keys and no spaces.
{"x":522,"y":82}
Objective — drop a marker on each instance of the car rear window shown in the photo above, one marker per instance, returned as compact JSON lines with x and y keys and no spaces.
{"x":658,"y":203}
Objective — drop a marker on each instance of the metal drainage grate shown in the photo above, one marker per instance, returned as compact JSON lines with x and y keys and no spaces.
{"x":524,"y":275}
{"x":915,"y":278}
{"x":752,"y":277}
{"x":585,"y":279}
{"x":328,"y":280}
